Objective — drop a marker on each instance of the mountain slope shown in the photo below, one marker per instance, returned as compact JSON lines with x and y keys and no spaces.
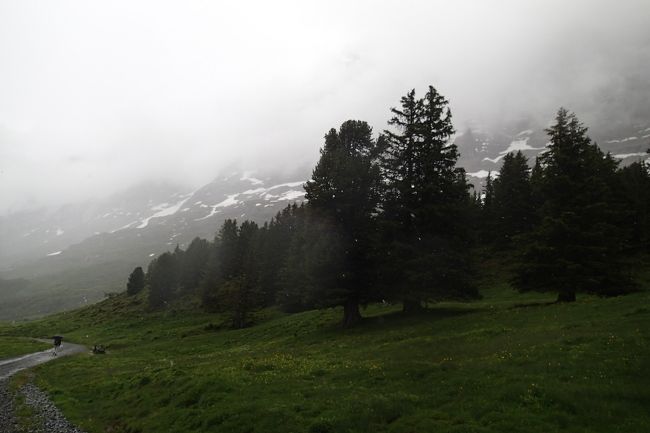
{"x":75,"y":254}
{"x":140,"y":225}
{"x":508,"y":362}
{"x":482,"y":150}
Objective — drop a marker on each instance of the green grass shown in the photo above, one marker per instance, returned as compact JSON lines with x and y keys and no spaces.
{"x":15,"y":346}
{"x":27,"y":419}
{"x":506,"y":363}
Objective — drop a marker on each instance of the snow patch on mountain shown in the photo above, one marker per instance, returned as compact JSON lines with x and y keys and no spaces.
{"x":494,"y":160}
{"x":288,"y":185}
{"x":230,"y":201}
{"x":291,"y":195}
{"x":482,"y":174}
{"x":514,"y":146}
{"x":623,"y":140}
{"x":55,"y":253}
{"x":163,"y":210}
{"x":520,"y":145}
{"x":126,"y":226}
{"x":629,"y":155}
{"x":253,"y":191}
{"x":212,"y":212}
{"x":254,"y":181}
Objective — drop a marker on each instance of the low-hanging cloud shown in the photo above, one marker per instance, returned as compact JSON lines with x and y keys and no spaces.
{"x":97,"y":96}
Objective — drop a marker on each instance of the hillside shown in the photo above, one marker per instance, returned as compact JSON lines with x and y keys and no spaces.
{"x":508,"y":362}
{"x":482,"y":149}
{"x":72,"y":256}
{"x":67,"y":257}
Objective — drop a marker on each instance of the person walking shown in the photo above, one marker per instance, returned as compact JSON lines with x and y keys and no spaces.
{"x":57,"y":344}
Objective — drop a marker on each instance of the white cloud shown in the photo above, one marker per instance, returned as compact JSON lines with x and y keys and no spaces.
{"x":95,"y":96}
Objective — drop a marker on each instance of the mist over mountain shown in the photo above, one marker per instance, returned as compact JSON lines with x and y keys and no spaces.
{"x":92,"y":245}
{"x":95,"y":101}
{"x":325,"y":216}
{"x":125,"y":134}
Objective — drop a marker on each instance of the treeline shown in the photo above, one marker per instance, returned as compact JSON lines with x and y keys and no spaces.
{"x":393,"y":218}
{"x":572,"y":223}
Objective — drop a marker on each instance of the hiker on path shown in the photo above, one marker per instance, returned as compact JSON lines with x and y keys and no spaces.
{"x":57,"y":344}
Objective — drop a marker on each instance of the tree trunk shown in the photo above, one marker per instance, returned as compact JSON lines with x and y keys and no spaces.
{"x":411,"y":306}
{"x":351,"y":314}
{"x":239,"y":320}
{"x":566,"y":296}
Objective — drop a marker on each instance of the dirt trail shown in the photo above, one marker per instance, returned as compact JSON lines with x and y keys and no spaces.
{"x":47,"y":418}
{"x":11,"y":366}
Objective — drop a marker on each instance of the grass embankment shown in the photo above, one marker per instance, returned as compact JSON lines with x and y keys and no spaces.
{"x":508,"y":362}
{"x":16,"y":346}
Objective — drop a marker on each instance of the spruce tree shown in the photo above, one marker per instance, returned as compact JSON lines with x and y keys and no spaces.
{"x":634,"y":186}
{"x":577,"y":246}
{"x":162,"y":277}
{"x":426,"y":205}
{"x":344,"y":192}
{"x":136,"y":282}
{"x":294,"y":292}
{"x":512,"y":201}
{"x":238,"y":293}
{"x":193,"y":264}
{"x":223,"y":263}
{"x":488,"y":214}
{"x":316,"y":264}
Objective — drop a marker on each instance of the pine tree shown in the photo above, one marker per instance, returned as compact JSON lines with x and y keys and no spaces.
{"x":513,"y":205}
{"x":488,"y":214}
{"x":285,"y":264}
{"x":136,"y":282}
{"x":426,"y":207}
{"x":344,"y":193}
{"x":230,"y":255}
{"x":634,"y":186}
{"x":162,"y":277}
{"x":577,"y":245}
{"x":238,"y":294}
{"x":222,"y":265}
{"x":193,"y":264}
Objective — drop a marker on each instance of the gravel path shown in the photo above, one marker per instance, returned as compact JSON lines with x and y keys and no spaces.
{"x":8,"y":367}
{"x":7,"y":418}
{"x":47,"y":418}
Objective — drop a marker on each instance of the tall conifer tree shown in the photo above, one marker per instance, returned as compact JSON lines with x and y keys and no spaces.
{"x":136,"y":282}
{"x":512,"y":201}
{"x":344,"y":193}
{"x":162,"y":277}
{"x":426,"y":206}
{"x":577,"y":246}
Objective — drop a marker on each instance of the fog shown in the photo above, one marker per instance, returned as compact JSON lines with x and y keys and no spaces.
{"x":98,"y":96}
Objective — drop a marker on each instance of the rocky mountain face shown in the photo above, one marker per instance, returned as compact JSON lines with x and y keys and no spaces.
{"x":55,"y":259}
{"x":77,"y":253}
{"x":149,"y":219}
{"x":482,"y":151}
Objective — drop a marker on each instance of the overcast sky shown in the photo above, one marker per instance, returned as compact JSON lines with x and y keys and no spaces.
{"x":97,"y":96}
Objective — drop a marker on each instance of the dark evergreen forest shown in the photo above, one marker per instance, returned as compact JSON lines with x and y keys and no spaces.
{"x":392,"y":218}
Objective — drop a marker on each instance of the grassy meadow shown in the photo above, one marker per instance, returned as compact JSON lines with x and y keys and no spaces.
{"x":505,"y":363}
{"x":15,"y":346}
